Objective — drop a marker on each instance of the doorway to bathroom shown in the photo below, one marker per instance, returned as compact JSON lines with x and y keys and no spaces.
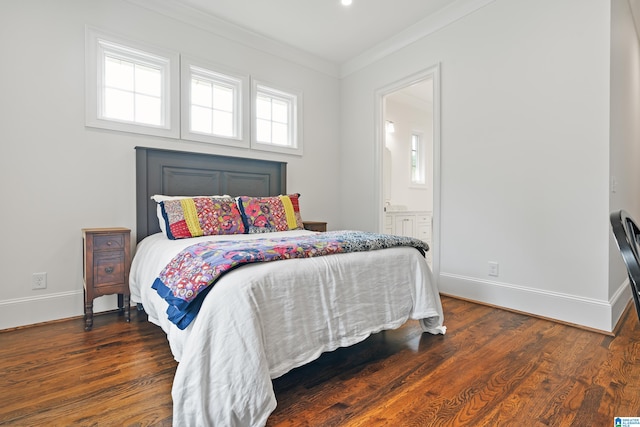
{"x":409,"y":153}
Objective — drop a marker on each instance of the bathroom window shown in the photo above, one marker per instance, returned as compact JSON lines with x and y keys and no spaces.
{"x":417,"y":160}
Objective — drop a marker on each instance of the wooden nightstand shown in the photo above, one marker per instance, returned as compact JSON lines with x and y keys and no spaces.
{"x":315,"y":225}
{"x":107,"y":259}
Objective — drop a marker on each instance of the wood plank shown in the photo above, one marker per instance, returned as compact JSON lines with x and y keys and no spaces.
{"x":493,"y":367}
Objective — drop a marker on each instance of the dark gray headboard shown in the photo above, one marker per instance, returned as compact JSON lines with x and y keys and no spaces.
{"x":180,"y":173}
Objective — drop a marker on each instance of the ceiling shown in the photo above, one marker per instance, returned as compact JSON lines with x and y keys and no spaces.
{"x":323,"y":28}
{"x":418,"y":95}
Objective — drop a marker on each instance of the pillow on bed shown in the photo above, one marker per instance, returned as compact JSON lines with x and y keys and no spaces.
{"x":201,"y":216}
{"x":161,"y":198}
{"x":268,"y":214}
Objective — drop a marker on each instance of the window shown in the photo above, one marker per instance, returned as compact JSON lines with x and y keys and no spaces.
{"x":138,"y":88}
{"x":212,"y":107}
{"x":276,"y":119}
{"x":130,"y":87}
{"x":417,"y":160}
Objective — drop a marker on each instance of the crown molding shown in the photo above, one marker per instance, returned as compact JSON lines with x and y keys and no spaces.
{"x":241,"y":35}
{"x":429,"y":25}
{"x":237,"y":34}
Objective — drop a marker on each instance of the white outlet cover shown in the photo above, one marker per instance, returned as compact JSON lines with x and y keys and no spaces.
{"x":493,"y":268}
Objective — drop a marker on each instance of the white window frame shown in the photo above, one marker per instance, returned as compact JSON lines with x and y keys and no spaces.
{"x":294,"y":101}
{"x":99,"y":43}
{"x":421,"y":161}
{"x":217,"y":74}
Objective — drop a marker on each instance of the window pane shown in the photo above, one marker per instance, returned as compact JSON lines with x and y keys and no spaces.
{"x":263,"y":130}
{"x":201,"y":120}
{"x":263,"y":107}
{"x":223,"y":98}
{"x":222,"y":123}
{"x":417,"y":161}
{"x":280,"y":136}
{"x":118,"y":73}
{"x":148,"y":110}
{"x":148,"y":80}
{"x":280,"y":111}
{"x":201,"y":92}
{"x":118,"y":104}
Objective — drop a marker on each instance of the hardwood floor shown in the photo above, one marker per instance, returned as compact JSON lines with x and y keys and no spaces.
{"x":492,"y":368}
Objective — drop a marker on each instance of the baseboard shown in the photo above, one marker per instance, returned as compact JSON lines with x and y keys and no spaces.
{"x":45,"y":308}
{"x":586,"y":312}
{"x":620,"y":303}
{"x":590,"y":313}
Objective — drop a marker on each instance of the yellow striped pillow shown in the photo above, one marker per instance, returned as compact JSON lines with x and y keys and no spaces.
{"x":268,"y":214}
{"x":201,"y":216}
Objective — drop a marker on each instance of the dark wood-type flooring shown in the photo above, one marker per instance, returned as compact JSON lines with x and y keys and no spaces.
{"x":492,"y":368}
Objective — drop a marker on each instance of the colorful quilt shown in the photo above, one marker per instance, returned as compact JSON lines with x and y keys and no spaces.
{"x":186,"y":280}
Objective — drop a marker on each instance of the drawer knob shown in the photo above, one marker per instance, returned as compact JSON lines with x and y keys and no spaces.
{"x":109,"y":243}
{"x":108,"y":270}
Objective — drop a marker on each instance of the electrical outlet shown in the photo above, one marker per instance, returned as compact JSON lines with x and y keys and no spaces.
{"x":39,"y":281}
{"x":493,"y":268}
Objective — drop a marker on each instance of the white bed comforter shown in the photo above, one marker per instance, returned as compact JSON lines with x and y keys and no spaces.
{"x":262,"y":320}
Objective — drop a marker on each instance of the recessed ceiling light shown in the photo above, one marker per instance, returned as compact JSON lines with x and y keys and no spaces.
{"x":346,"y":2}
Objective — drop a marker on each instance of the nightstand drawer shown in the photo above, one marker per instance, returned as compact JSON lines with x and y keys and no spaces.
{"x":108,"y":268}
{"x":102,"y":242}
{"x":315,"y":225}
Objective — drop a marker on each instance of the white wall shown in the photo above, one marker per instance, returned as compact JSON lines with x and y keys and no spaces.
{"x":525,"y":153}
{"x":625,"y":128}
{"x":57,"y":176}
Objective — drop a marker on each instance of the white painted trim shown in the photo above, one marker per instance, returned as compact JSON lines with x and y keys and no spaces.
{"x":619,"y":302}
{"x":437,"y":172}
{"x":448,"y":15}
{"x":588,"y":312}
{"x":432,"y":72}
{"x":44,"y":308}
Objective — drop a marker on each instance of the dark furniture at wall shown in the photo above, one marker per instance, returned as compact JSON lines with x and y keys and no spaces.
{"x":107,"y":259}
{"x":627,"y":236}
{"x":315,"y":225}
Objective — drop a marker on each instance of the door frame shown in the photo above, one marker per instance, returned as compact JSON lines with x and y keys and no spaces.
{"x":432,"y":72}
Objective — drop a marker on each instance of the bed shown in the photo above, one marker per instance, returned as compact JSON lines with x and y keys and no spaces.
{"x":262,"y":320}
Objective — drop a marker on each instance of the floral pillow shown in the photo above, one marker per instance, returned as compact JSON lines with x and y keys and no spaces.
{"x":268,"y":214}
{"x":201,"y":216}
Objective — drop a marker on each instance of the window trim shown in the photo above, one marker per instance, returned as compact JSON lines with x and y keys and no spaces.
{"x":95,"y":43}
{"x":221,"y":73}
{"x":295,"y":128}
